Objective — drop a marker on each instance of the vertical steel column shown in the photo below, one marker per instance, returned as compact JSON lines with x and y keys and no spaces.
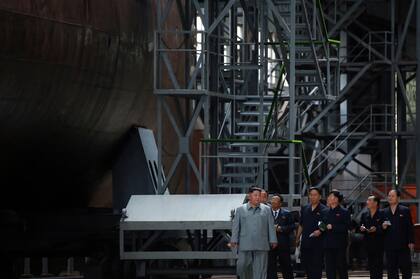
{"x":418,"y":107}
{"x":262,"y":59}
{"x":343,"y":83}
{"x":159,"y":99}
{"x":206,"y":58}
{"x":292,"y":108}
{"x":393,"y":92}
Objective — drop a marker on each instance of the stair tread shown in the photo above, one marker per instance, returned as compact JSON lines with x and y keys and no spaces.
{"x":253,"y":113}
{"x":253,"y":124}
{"x":251,"y":144}
{"x":256,"y":103}
{"x":251,"y":134}
{"x":307,"y":83}
{"x":240,"y":153}
{"x":240,"y":165}
{"x":245,"y":174}
{"x":306,"y":72}
{"x":257,"y":96}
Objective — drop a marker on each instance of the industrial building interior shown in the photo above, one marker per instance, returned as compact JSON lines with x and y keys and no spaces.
{"x":132,"y":128}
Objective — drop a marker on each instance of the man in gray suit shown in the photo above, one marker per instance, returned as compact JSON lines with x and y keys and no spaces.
{"x":253,"y":233}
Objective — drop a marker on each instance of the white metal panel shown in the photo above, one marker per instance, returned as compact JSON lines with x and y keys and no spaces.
{"x":182,"y":208}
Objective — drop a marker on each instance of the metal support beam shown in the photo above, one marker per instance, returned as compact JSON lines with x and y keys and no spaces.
{"x":393,"y":144}
{"x":404,"y":95}
{"x":404,"y":32}
{"x":280,"y":19}
{"x":350,"y":12}
{"x":418,"y":106}
{"x":219,"y":18}
{"x":292,"y":107}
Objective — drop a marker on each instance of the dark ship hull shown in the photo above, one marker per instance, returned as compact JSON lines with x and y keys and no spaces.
{"x":75,"y":76}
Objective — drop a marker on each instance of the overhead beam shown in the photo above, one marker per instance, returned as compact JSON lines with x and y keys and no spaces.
{"x":345,"y":17}
{"x":220,"y":17}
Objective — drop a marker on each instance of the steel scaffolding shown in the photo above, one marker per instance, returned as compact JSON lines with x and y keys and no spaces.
{"x":276,"y":81}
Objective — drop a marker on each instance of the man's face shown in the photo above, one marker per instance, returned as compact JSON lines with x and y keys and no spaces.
{"x":263,"y":196}
{"x":275,"y":202}
{"x":369,"y":203}
{"x":392,"y":197}
{"x":314,"y":197}
{"x":254,"y":197}
{"x":332,"y":200}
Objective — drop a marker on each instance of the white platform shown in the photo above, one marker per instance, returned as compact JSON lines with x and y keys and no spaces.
{"x":152,"y":216}
{"x":182,"y":208}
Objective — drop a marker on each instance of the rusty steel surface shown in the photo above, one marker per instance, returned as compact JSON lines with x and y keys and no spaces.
{"x":74,"y":77}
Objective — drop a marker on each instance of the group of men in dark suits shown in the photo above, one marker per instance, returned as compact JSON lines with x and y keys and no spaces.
{"x":322,"y":233}
{"x":262,"y":231}
{"x":391,"y":231}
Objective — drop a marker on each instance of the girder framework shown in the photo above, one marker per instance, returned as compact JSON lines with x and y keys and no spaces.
{"x":261,"y":74}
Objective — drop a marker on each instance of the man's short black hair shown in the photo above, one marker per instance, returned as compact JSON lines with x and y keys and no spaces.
{"x":316,"y":189}
{"x":397,"y":191}
{"x":336,"y":194}
{"x":278,"y":195}
{"x":253,"y":189}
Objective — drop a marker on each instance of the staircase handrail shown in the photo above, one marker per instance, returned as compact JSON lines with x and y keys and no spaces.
{"x":362,"y":180}
{"x":335,"y":139}
{"x":279,"y":88}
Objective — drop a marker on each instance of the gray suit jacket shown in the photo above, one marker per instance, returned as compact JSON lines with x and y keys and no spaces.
{"x":253,"y":229}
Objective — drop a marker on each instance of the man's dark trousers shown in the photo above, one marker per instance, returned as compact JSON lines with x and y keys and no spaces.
{"x":336,"y":263}
{"x":282,"y":257}
{"x":398,"y":260}
{"x":312,"y":261}
{"x":375,"y":261}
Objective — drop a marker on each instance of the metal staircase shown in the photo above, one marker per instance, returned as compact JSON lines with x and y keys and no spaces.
{"x":356,"y":84}
{"x":241,"y":160}
{"x":265,"y":116}
{"x":342,"y":163}
{"x":353,"y":135}
{"x":375,"y":183}
{"x":313,"y":65}
{"x":244,"y":158}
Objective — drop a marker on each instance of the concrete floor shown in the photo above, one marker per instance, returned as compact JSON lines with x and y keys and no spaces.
{"x":352,"y":274}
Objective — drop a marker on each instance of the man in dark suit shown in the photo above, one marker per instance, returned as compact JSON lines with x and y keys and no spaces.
{"x":337,"y":220}
{"x":283,"y":222}
{"x":399,"y":237}
{"x":311,"y":243}
{"x":371,"y":226}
